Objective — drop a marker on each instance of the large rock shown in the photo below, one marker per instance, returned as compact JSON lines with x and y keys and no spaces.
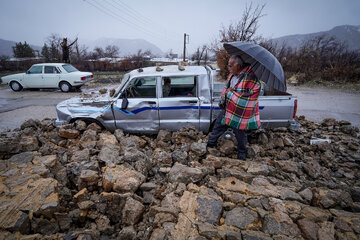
{"x":197,"y":150}
{"x":48,"y":161}
{"x":132,"y":211}
{"x":68,"y":133}
{"x":162,"y":158}
{"x":109,"y":154}
{"x":184,"y":174}
{"x":163,"y":136}
{"x":106,"y":138}
{"x":88,"y":178}
{"x":233,"y":184}
{"x":258,"y":169}
{"x":209,"y":206}
{"x":29,"y":143}
{"x":315,"y":214}
{"x":185,"y":227}
{"x":309,"y":229}
{"x":180,"y":156}
{"x":313,"y":169}
{"x":255,"y":235}
{"x":89,"y":136}
{"x":121,"y":179}
{"x":241,"y":217}
{"x":326,"y":231}
{"x":44,"y":226}
{"x":35,"y":197}
{"x":79,"y":156}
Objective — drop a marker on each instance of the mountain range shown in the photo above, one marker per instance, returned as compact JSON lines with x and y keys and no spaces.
{"x":6,"y":47}
{"x":346,"y":33}
{"x":126,"y":46}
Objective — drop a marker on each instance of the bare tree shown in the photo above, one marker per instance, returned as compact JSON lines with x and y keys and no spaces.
{"x":97,"y":53}
{"x":111,"y":51}
{"x":244,"y":29}
{"x":201,"y":54}
{"x":80,"y":54}
{"x":53,"y":43}
{"x":139,"y":58}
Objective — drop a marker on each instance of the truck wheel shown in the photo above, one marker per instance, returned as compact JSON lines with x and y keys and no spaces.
{"x":15,"y":86}
{"x":65,"y":87}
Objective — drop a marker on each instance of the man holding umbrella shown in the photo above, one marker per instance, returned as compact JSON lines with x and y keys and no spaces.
{"x":239,"y":100}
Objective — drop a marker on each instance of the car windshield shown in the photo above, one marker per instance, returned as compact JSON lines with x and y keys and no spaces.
{"x":69,"y":68}
{"x":123,"y":81}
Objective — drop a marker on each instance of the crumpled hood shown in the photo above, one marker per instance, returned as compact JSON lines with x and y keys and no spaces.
{"x":85,"y":104}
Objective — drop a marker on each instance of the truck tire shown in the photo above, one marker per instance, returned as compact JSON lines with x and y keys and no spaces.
{"x":15,"y":86}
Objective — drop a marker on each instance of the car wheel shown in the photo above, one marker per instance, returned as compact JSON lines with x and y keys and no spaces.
{"x":15,"y":86}
{"x":65,"y":87}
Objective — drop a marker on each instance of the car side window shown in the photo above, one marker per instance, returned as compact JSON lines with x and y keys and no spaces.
{"x":50,"y":70}
{"x":179,"y":86}
{"x":143,"y":87}
{"x":35,"y":70}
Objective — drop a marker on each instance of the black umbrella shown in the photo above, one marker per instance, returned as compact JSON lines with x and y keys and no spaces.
{"x":265,"y":65}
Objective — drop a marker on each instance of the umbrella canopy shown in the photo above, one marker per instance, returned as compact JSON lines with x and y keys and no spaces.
{"x":265,"y":65}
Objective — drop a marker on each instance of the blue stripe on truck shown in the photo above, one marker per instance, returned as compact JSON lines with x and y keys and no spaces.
{"x":139,"y":110}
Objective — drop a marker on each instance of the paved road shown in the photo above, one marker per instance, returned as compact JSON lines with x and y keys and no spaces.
{"x":314,"y":103}
{"x":319,"y":103}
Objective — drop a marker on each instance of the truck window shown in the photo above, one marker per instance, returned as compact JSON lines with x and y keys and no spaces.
{"x":183,"y":86}
{"x":144,"y":87}
{"x":218,"y":87}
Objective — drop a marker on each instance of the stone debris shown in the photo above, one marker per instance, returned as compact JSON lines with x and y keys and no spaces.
{"x":78,"y":181}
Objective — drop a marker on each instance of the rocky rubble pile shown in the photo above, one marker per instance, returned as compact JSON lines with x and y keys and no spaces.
{"x":81,"y":182}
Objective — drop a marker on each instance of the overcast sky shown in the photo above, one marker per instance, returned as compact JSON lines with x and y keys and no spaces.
{"x":164,"y":22}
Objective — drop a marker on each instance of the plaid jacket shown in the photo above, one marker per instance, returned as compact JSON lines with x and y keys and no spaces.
{"x":242,"y":105}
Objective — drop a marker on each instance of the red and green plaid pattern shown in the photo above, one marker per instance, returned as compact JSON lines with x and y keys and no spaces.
{"x":242,"y":105}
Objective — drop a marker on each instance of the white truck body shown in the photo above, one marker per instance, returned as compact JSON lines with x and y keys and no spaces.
{"x":192,"y":101}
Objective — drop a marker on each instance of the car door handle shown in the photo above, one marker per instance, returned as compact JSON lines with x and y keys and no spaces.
{"x":193,"y":101}
{"x":151,"y":102}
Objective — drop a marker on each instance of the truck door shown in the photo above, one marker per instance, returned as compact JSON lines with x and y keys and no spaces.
{"x":141,"y":114}
{"x":179,"y":102}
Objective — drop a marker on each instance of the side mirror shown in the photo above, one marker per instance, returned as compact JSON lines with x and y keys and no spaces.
{"x":124,"y":103}
{"x":27,"y":72}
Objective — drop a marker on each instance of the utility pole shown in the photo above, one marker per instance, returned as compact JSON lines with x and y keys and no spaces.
{"x":185,"y":45}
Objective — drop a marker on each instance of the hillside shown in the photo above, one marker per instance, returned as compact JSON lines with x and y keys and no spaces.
{"x":126,"y":46}
{"x":345,"y":33}
{"x":6,"y":47}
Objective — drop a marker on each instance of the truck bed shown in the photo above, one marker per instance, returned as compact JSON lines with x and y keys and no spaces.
{"x":277,"y":109}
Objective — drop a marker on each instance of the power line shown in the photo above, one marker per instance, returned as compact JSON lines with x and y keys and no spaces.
{"x":121,"y":19}
{"x":141,"y":23}
{"x":131,"y":13}
{"x":138,"y":16}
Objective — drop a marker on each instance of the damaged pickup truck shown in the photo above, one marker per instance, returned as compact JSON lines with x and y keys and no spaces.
{"x":169,"y":97}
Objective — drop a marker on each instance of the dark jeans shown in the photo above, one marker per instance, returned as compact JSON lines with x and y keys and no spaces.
{"x":219,"y":129}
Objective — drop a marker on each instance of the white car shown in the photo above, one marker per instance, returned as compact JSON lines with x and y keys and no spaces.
{"x":48,"y":75}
